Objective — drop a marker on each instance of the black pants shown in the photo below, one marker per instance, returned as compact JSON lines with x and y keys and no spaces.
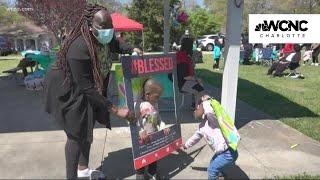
{"x":76,"y":153}
{"x":152,"y":169}
{"x":216,"y":63}
{"x":315,"y":55}
{"x":293,"y":65}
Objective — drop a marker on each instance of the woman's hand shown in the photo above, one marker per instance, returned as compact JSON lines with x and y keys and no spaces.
{"x":189,"y":78}
{"x":123,"y":113}
{"x":138,"y":51}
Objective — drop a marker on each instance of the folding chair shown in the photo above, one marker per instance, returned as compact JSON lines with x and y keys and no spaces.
{"x":266,"y":56}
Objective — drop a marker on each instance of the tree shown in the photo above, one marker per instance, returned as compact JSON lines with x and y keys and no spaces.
{"x":191,"y":4}
{"x":201,"y":22}
{"x":58,"y":16}
{"x":150,"y":14}
{"x":255,"y":7}
{"x":297,"y":6}
{"x":112,"y":5}
{"x":9,"y":16}
{"x":219,"y":10}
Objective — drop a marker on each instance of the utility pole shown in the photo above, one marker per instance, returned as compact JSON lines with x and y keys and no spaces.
{"x":232,"y":56}
{"x":166,"y":37}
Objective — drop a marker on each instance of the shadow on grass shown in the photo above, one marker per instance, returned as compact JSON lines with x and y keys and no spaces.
{"x":274,"y":104}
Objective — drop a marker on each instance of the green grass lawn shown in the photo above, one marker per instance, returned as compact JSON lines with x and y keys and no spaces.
{"x":300,"y":176}
{"x":8,"y":62}
{"x":296,"y":102}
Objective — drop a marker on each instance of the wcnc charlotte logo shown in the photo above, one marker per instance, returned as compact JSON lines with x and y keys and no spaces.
{"x":282,"y":29}
{"x":282,"y":25}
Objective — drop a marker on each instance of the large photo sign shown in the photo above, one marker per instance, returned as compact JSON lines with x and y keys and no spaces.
{"x":157,"y":131}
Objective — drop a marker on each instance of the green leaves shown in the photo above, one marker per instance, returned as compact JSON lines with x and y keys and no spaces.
{"x":8,"y":17}
{"x":201,"y":22}
{"x":150,"y":14}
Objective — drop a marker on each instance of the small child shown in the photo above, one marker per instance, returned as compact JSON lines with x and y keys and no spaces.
{"x":210,"y":130}
{"x":216,"y":55}
{"x":307,"y":56}
{"x":149,"y":121}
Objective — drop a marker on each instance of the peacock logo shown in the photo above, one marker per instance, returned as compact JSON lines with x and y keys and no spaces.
{"x":262,"y":27}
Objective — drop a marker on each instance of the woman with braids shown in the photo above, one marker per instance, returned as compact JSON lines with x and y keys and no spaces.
{"x":76,"y":85}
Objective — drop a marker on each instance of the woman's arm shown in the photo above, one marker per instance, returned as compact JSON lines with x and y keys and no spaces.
{"x":122,"y":47}
{"x":81,"y":70}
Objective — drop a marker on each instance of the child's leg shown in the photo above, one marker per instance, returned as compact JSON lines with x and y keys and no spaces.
{"x":214,"y":64}
{"x":140,"y":173}
{"x":220,"y":161}
{"x":152,"y":169}
{"x":217,"y":63}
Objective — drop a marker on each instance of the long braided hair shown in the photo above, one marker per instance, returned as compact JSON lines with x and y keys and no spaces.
{"x":82,"y":28}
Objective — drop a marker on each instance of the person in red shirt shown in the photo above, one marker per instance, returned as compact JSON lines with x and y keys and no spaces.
{"x":187,"y":82}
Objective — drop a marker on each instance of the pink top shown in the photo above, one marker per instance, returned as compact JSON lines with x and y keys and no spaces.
{"x":209,"y":129}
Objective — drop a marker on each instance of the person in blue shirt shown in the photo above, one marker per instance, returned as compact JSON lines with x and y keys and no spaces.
{"x":216,"y":54}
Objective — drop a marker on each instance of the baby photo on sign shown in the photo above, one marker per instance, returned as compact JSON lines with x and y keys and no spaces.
{"x":147,"y":111}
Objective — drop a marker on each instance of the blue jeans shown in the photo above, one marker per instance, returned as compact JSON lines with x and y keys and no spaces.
{"x":220,"y":161}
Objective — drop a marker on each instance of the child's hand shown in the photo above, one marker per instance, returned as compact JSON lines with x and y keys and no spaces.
{"x":184,"y":147}
{"x":143,"y":136}
{"x":166,"y":131}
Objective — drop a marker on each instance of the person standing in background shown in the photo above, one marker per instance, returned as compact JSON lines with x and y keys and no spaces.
{"x":186,"y":43}
{"x":315,"y":53}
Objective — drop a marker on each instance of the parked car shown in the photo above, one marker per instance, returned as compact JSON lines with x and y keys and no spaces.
{"x":5,"y":47}
{"x":206,"y":42}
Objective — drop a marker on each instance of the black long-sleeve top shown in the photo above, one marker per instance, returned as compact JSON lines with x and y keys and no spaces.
{"x":76,"y":107}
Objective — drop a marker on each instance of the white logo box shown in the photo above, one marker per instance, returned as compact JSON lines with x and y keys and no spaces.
{"x":311,"y":35}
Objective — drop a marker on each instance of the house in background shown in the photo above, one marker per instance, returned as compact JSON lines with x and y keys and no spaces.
{"x":27,"y":36}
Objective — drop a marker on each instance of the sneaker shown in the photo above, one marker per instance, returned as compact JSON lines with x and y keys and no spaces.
{"x":316,"y":64}
{"x":296,"y":76}
{"x":84,"y":173}
{"x":140,"y":176}
{"x":97,"y":175}
{"x":152,"y":177}
{"x":312,"y":64}
{"x":291,"y":74}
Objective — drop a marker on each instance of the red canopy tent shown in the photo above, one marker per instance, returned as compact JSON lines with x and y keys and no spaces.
{"x":124,"y":24}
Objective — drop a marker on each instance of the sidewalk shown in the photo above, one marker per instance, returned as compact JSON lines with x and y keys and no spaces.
{"x":32,"y":146}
